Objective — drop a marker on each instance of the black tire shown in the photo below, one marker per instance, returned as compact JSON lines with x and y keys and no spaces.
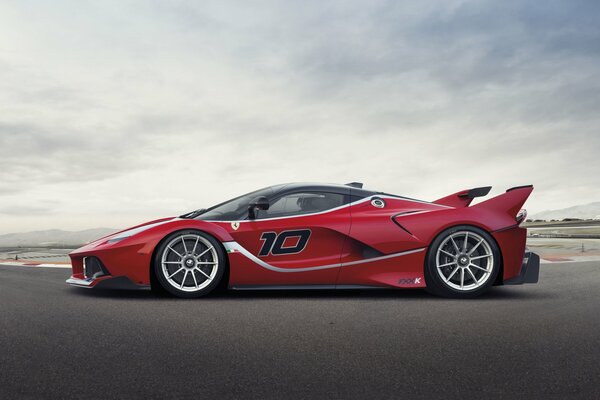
{"x":477,"y":271}
{"x":183,"y":243}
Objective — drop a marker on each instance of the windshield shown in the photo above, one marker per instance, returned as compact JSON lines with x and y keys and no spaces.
{"x":234,"y":209}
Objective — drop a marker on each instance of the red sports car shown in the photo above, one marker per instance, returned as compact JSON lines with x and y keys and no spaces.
{"x":306,"y":236}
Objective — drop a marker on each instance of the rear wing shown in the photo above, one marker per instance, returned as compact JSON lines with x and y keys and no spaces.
{"x":464,"y":197}
{"x":510,"y":202}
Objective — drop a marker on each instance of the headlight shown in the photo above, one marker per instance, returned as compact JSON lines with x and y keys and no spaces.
{"x":120,"y":237}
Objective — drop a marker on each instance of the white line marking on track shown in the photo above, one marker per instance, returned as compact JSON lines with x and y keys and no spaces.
{"x":10,"y":264}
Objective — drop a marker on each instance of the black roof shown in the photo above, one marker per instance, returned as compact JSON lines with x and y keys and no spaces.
{"x":321,"y":187}
{"x":279,"y":190}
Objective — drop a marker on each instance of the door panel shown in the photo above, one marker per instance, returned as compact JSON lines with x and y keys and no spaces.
{"x":307,"y":247}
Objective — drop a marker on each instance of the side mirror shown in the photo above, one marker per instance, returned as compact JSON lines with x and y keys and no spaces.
{"x":259,"y":203}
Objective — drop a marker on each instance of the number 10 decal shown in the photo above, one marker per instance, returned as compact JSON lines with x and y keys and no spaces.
{"x":274,"y":243}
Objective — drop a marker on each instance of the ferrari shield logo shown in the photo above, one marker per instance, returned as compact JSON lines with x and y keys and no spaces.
{"x":235,"y":225}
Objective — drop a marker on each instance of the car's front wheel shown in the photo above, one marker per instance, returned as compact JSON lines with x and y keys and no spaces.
{"x":462,"y":262}
{"x":189,"y":263}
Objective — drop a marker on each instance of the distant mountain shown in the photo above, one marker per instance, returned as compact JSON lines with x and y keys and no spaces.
{"x":53,"y":237}
{"x":586,"y":211}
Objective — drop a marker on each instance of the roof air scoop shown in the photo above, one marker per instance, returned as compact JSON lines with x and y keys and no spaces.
{"x":357,"y":185}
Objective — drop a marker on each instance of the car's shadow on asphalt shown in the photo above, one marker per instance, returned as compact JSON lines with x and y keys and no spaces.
{"x":495,"y":294}
{"x":500,"y":293}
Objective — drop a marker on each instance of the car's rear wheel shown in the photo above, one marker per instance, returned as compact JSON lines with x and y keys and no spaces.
{"x":189,"y":263}
{"x":462,"y":262}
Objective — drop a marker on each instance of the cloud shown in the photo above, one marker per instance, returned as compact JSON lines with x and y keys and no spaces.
{"x":116,"y":112}
{"x":25,"y":210}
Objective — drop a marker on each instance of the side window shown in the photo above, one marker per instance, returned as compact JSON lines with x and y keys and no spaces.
{"x":302,"y":203}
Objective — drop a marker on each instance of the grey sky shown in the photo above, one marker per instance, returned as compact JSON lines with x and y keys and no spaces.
{"x":115,"y":112}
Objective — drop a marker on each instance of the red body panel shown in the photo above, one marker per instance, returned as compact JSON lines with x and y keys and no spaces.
{"x":357,"y":244}
{"x":132,"y":256}
{"x":512,"y":247}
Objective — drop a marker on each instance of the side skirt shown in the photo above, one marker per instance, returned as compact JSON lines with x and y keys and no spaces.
{"x":305,"y":287}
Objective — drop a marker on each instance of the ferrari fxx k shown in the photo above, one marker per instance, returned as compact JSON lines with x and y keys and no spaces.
{"x":303,"y":236}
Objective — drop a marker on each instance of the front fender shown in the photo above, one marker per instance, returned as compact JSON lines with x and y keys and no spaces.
{"x":132,"y":256}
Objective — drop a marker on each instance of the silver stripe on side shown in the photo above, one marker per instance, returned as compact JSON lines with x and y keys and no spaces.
{"x":403,"y":253}
{"x":410,"y":214}
{"x":233,"y":247}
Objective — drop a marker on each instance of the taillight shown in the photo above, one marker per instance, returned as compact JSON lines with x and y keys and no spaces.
{"x":521,"y":216}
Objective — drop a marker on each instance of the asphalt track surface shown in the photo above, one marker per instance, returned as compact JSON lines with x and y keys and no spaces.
{"x":532,"y":341}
